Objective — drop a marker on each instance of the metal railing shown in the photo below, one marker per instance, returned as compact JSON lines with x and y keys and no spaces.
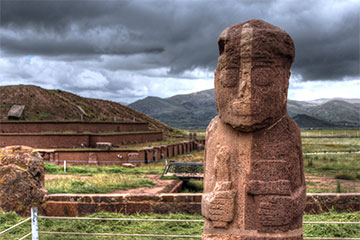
{"x":35,"y":227}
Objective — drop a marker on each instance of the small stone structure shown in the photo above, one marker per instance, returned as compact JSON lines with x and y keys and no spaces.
{"x":104,"y":145}
{"x":21,"y":179}
{"x":254,"y":186}
{"x":16,"y":112}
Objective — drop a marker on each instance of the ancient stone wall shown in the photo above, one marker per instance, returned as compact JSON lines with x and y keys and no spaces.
{"x":145,"y":155}
{"x":83,"y":204}
{"x":63,"y":126}
{"x":44,"y":140}
{"x":126,"y":138}
{"x":76,"y":140}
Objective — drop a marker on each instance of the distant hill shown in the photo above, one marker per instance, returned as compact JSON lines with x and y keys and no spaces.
{"x":324,"y":100}
{"x":306,"y":121}
{"x":43,"y":104}
{"x":195,"y":110}
{"x":188,"y":111}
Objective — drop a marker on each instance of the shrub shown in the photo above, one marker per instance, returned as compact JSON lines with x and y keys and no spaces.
{"x":52,"y":168}
{"x":345,"y":176}
{"x":338,"y":187}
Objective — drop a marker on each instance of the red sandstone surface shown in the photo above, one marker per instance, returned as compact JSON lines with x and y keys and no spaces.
{"x":254,"y":183}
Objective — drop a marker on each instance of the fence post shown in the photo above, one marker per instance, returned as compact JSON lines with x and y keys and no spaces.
{"x":34,"y":223}
{"x":64,"y":165}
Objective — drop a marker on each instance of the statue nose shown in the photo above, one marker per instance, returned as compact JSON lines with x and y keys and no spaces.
{"x":245,"y":82}
{"x":241,"y":89}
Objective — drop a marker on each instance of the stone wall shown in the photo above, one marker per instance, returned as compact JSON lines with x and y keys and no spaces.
{"x":71,"y":126}
{"x":83,"y":204}
{"x":76,"y":140}
{"x":144,"y":155}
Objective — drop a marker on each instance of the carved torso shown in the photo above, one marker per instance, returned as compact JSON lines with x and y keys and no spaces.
{"x":262,"y":164}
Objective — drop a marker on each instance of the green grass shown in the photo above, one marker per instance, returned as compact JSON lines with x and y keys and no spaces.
{"x":99,"y":179}
{"x":339,"y":189}
{"x":331,"y":132}
{"x":174,"y":228}
{"x":334,"y":230}
{"x":344,"y":166}
{"x":99,"y":183}
{"x":89,"y":170}
{"x":331,"y":163}
{"x":330,"y":144}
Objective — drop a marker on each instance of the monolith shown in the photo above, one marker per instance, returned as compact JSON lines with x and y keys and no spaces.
{"x":254,"y":186}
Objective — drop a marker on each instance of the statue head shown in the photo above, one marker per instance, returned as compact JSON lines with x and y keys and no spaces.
{"x":252,"y":75}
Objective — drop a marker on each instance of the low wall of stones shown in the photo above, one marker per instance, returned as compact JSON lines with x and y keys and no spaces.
{"x":144,"y":155}
{"x":71,"y":126}
{"x":78,"y":205}
{"x":76,"y":140}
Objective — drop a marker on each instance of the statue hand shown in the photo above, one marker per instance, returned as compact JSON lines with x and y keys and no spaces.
{"x":275,"y":210}
{"x":221,"y":207}
{"x":218,"y":206}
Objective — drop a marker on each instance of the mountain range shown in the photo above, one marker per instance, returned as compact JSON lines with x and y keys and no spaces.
{"x":195,"y":111}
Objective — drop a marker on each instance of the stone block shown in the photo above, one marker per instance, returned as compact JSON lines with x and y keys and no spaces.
{"x":16,"y":112}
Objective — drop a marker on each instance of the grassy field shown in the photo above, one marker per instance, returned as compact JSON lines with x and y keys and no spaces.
{"x":331,"y":144}
{"x":324,"y":173}
{"x":98,"y":179}
{"x":332,"y":172}
{"x":174,"y":228}
{"x":99,"y":183}
{"x":331,"y":132}
{"x":333,"y":164}
{"x":105,"y":179}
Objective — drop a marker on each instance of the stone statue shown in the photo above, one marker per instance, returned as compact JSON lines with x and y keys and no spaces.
{"x":254,"y":184}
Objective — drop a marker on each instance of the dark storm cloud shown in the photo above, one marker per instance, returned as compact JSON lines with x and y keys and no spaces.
{"x":70,"y":47}
{"x":180,"y":35}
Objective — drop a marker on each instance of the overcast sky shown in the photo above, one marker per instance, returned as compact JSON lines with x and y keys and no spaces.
{"x":127,"y":50}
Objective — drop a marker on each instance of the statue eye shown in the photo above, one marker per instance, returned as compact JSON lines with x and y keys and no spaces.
{"x":221,"y":45}
{"x":263,"y":76}
{"x":229,"y":78}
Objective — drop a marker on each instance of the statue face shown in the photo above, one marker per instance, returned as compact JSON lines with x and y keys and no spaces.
{"x":250,"y":91}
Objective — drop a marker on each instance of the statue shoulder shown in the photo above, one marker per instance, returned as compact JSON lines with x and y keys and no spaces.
{"x":293,"y":127}
{"x":212,"y":126}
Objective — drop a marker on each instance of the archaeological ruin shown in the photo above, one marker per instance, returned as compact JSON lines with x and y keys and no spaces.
{"x":22,"y":177}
